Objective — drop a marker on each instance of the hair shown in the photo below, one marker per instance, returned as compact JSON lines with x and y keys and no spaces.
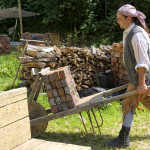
{"x":137,"y":22}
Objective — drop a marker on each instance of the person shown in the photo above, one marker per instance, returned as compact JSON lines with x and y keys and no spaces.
{"x":136,"y":56}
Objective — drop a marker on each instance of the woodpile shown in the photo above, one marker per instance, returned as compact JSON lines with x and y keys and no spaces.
{"x":4,"y":44}
{"x":61,"y":89}
{"x":84,"y":63}
{"x":117,"y":64}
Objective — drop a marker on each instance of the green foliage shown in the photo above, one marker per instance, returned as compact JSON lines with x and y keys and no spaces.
{"x":87,"y":21}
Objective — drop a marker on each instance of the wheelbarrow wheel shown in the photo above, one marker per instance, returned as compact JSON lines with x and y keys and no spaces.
{"x":35,"y":111}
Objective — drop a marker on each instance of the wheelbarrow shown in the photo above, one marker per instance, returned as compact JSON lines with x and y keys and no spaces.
{"x":39,"y":117}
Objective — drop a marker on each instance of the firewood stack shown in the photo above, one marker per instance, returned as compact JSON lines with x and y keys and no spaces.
{"x":61,"y":89}
{"x":117,"y":65}
{"x":84,"y":63}
{"x":4,"y":44}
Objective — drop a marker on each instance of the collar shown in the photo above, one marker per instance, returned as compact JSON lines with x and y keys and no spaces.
{"x":129,"y":28}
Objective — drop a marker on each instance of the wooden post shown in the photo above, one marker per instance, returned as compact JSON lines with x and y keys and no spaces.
{"x":20,"y":18}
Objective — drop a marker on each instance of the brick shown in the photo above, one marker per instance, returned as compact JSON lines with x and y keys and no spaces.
{"x":58,"y":100}
{"x":121,"y":60}
{"x":60,"y":108}
{"x":47,"y":86}
{"x":125,"y":77}
{"x":55,"y":92}
{"x":121,"y":55}
{"x":51,"y":77}
{"x":65,"y":81}
{"x":52,"y":101}
{"x":65,"y":106}
{"x":69,"y":98}
{"x":53,"y":84}
{"x":115,"y":65}
{"x":49,"y":94}
{"x":114,"y":69}
{"x":121,"y":66}
{"x":63,"y":98}
{"x":67,"y":90}
{"x":122,"y":71}
{"x":119,"y":76}
{"x":58,"y":84}
{"x":114,"y":59}
{"x":46,"y":78}
{"x":56,"y":75}
{"x":63,"y":73}
{"x":115,"y":45}
{"x":116,"y":54}
{"x":54,"y":109}
{"x":61,"y":91}
{"x":119,"y":49}
{"x":70,"y":104}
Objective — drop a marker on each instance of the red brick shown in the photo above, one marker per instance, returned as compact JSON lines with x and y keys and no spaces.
{"x":114,"y":69}
{"x":56,"y":75}
{"x":65,"y":106}
{"x":58,"y":84}
{"x":69,"y":97}
{"x":63,"y":73}
{"x":116,"y":54}
{"x":121,"y":60}
{"x":63,"y":98}
{"x":118,"y":49}
{"x":121,"y":66}
{"x":70,"y":104}
{"x":65,"y":81}
{"x":122,"y":71}
{"x":53,"y":84}
{"x":49,"y":94}
{"x":125,"y":77}
{"x":114,"y":59}
{"x":121,"y":56}
{"x":61,"y":91}
{"x":119,"y":76}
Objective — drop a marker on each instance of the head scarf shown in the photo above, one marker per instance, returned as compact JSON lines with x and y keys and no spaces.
{"x":129,"y":10}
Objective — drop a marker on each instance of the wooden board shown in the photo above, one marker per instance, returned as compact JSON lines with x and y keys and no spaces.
{"x":15,"y":134}
{"x":13,"y":112}
{"x":10,"y":100}
{"x":12,"y":96}
{"x":37,"y":144}
{"x":60,"y":146}
{"x":30,"y":144}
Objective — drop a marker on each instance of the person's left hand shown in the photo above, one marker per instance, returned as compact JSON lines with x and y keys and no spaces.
{"x":142,"y":88}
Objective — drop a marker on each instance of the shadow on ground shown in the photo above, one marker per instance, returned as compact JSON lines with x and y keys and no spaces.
{"x":96,"y":142}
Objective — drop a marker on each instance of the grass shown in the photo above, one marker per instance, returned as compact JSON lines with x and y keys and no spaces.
{"x":70,"y":129}
{"x":8,"y":67}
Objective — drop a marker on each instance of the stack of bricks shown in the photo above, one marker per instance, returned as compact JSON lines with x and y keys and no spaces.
{"x":50,"y":38}
{"x":61,"y":89}
{"x":117,"y":65}
{"x":4,"y":44}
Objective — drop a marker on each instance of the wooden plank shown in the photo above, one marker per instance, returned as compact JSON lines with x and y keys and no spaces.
{"x":12,"y":93}
{"x":15,"y":134}
{"x":10,"y":100}
{"x":47,"y":145}
{"x":13,"y":112}
{"x":29,"y":145}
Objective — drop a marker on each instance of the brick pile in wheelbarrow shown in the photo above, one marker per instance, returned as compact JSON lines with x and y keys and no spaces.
{"x":4,"y":44}
{"x":61,"y":89}
{"x":117,"y":65}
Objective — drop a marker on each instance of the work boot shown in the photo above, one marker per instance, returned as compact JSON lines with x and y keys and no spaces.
{"x":122,"y":140}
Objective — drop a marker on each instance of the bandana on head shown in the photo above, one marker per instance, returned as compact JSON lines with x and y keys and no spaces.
{"x":129,"y":10}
